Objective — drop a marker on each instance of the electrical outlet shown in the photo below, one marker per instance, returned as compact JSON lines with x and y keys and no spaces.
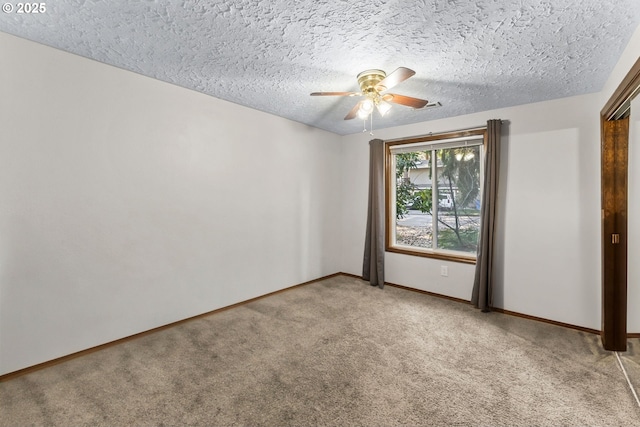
{"x":444,"y":270}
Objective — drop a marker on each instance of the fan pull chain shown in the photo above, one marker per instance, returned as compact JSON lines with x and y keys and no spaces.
{"x":371,"y":115}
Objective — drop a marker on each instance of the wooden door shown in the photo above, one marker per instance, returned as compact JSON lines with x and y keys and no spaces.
{"x":614,"y":167}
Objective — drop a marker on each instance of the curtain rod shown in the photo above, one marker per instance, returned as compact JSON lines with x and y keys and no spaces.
{"x":438,"y":133}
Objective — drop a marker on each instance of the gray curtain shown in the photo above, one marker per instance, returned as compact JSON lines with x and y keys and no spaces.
{"x":481,"y":297}
{"x":373,"y":262}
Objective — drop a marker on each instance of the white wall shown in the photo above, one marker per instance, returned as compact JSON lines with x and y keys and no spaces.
{"x":128,"y":203}
{"x":548,"y":246}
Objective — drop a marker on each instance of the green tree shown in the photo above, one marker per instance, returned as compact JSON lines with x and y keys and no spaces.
{"x":404,"y":186}
{"x":461,"y":167}
{"x":423,"y":200}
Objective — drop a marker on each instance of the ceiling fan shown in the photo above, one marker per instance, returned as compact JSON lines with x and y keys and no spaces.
{"x":372,"y":85}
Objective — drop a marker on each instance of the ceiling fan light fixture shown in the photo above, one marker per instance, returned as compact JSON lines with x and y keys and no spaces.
{"x":383,"y":107}
{"x":372,"y":83}
{"x":367,"y":105}
{"x":363,"y":114}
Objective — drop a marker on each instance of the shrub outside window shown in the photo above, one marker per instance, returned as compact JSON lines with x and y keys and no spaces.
{"x":434,"y":193}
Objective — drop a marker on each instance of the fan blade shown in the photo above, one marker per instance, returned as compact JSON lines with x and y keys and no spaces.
{"x":336,"y":94}
{"x":405,"y":100}
{"x":354,"y":112}
{"x":398,"y":76}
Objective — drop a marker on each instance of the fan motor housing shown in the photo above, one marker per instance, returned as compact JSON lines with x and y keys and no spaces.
{"x":369,"y":79}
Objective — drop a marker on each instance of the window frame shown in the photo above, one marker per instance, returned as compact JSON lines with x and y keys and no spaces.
{"x":390,"y":221}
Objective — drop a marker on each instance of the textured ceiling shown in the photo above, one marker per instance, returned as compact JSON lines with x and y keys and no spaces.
{"x":269,"y":55}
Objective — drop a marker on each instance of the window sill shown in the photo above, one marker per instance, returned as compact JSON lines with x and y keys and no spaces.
{"x":427,"y":253}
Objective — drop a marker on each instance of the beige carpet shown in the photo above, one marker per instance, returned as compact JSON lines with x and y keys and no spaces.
{"x":338,"y":353}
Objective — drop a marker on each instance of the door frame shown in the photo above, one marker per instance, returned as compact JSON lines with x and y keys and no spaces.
{"x":614,"y":214}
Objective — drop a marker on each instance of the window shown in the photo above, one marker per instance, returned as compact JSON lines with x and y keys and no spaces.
{"x":433,"y":187}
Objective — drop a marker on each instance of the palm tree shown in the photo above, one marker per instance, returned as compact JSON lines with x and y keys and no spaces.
{"x":460,"y":167}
